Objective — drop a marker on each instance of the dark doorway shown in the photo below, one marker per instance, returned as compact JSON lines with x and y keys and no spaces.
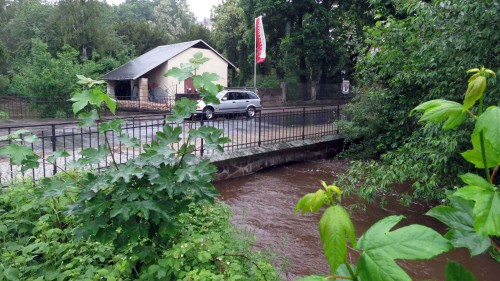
{"x":122,"y":90}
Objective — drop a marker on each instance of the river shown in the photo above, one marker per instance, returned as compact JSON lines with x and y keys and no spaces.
{"x":264,"y":202}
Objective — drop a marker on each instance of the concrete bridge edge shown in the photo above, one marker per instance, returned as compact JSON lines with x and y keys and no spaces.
{"x":247,"y":161}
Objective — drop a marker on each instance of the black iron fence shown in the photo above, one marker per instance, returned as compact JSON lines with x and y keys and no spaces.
{"x":265,"y":128}
{"x":12,"y":107}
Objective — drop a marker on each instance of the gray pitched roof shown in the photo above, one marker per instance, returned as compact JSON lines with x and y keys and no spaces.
{"x":146,"y":62}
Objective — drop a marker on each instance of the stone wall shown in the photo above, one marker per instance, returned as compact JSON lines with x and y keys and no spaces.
{"x":272,"y":97}
{"x":247,"y":161}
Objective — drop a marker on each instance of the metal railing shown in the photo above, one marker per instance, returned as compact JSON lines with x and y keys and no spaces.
{"x":12,"y":107}
{"x":263,"y":129}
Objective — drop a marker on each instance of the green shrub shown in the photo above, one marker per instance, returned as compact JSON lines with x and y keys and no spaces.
{"x":144,"y":213}
{"x":36,"y":242}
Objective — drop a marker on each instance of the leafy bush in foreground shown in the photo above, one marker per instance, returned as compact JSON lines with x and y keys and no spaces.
{"x":36,"y":243}
{"x":152,"y":217}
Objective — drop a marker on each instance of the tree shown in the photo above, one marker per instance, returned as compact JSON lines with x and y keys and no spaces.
{"x":82,"y":25}
{"x":174,"y":17}
{"x":26,"y":20}
{"x":135,"y":10}
{"x":419,"y":51}
{"x":143,"y":36}
{"x":308,"y":37}
{"x":230,"y":31}
{"x":196,"y":31}
{"x":47,"y":82}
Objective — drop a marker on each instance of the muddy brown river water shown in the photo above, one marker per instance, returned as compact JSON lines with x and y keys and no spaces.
{"x":264,"y":202}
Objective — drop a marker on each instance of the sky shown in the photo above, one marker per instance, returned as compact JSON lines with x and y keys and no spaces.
{"x":200,"y":8}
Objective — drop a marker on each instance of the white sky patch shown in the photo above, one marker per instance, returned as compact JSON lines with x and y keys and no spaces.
{"x":200,"y":8}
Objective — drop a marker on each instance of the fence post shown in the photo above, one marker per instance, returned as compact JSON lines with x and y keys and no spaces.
{"x":201,"y":149}
{"x":338,"y":118}
{"x":53,"y":140}
{"x":303,"y":123}
{"x":260,"y":127}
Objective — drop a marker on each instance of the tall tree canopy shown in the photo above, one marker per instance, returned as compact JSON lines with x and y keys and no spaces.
{"x":174,"y":17}
{"x":230,"y":32}
{"x":306,"y":39}
{"x":416,"y":52}
{"x":82,"y":25}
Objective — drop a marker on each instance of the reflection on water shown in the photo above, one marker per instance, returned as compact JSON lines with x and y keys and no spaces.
{"x":264,"y":203}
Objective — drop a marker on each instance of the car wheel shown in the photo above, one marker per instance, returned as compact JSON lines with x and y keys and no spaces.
{"x":251,"y":112}
{"x":208,"y":113}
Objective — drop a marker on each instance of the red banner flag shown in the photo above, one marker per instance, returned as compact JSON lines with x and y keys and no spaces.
{"x":260,"y":41}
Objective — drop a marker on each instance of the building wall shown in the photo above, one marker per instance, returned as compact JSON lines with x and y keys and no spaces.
{"x":215,"y":65}
{"x":172,"y":85}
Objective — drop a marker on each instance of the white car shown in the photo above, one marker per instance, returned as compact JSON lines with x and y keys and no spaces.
{"x":231,"y":101}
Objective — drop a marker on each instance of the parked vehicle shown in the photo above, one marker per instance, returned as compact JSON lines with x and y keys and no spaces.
{"x":231,"y":101}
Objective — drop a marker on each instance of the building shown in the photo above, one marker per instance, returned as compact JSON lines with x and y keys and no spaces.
{"x":142,"y":79}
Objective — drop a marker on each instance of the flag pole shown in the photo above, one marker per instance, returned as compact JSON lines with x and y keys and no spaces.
{"x":255,"y":56}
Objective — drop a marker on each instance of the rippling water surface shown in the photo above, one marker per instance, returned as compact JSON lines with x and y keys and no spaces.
{"x":264,"y":203}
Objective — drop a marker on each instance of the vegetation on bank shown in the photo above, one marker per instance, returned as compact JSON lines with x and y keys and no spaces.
{"x":37,"y":242}
{"x":154,"y":217}
{"x":417,"y":51}
{"x":473,"y":216}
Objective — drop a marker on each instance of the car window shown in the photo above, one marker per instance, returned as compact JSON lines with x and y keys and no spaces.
{"x":231,"y":96}
{"x":252,"y":95}
{"x":241,"y":96}
{"x":221,"y":95}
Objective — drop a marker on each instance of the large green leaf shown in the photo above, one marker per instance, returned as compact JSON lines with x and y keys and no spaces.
{"x":169,"y":135}
{"x":114,"y":125}
{"x":212,"y":137}
{"x":110,"y":102}
{"x":440,"y":110}
{"x":182,"y":109}
{"x":16,"y":135}
{"x":458,"y":216}
{"x":335,"y":225}
{"x":198,"y":59}
{"x":457,"y":272}
{"x":88,"y":118}
{"x":93,"y":156}
{"x":311,"y":202}
{"x":205,"y":81}
{"x":381,"y":247}
{"x":180,"y":73}
{"x":21,"y":155}
{"x":474,"y":91}
{"x":487,"y":204}
{"x":475,"y":155}
{"x":56,"y":155}
{"x":489,"y":124}
{"x":128,"y":141}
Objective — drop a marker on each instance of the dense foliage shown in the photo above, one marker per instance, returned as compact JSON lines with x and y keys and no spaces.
{"x":308,"y":41}
{"x":472,"y":217}
{"x":417,"y":51}
{"x":103,"y":36}
{"x":152,"y":217}
{"x":48,"y":82}
{"x":36,"y":241}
